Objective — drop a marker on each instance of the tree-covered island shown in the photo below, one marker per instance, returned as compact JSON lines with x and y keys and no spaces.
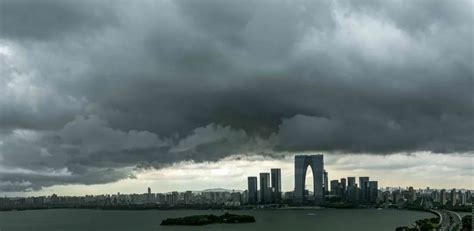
{"x":209,"y":219}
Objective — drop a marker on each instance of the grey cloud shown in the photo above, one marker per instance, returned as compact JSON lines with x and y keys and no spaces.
{"x":42,"y":20}
{"x":14,"y":182}
{"x":148,"y":84}
{"x":417,"y":16}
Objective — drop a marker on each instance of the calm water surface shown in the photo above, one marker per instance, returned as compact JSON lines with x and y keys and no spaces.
{"x":275,"y":220}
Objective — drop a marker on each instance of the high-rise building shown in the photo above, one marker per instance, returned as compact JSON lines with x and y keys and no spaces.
{"x":276,"y":184}
{"x":326,"y":183}
{"x":411,"y":195}
{"x":265,"y":190}
{"x":316,"y":163}
{"x":172,"y":198}
{"x":335,"y":187}
{"x":373,"y":191}
{"x":396,"y":196}
{"x":352,"y":193}
{"x":351,"y":181}
{"x":343,"y":187}
{"x":252,"y":190}
{"x":245,"y":196}
{"x":188,"y":195}
{"x":435,"y":196}
{"x":454,"y":197}
{"x":462,"y":198}
{"x":148,"y":196}
{"x":364,"y":188}
{"x":443,"y":197}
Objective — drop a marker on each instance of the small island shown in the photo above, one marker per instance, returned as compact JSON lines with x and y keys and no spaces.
{"x":209,"y":219}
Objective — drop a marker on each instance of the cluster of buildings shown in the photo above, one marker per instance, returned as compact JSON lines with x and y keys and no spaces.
{"x":426,"y":197}
{"x":229,"y":198}
{"x":270,"y":188}
{"x":347,"y":190}
{"x":266,"y":190}
{"x":366,"y":192}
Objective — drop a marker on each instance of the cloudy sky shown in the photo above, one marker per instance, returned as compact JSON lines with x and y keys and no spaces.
{"x":101,"y":96}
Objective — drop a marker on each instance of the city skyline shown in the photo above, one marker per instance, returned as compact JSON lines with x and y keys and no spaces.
{"x":265,"y":191}
{"x":286,"y":167}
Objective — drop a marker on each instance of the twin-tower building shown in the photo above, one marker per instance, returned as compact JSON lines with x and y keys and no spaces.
{"x":302,"y":162}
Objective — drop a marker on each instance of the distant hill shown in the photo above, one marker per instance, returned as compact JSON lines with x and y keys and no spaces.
{"x":219,"y":190}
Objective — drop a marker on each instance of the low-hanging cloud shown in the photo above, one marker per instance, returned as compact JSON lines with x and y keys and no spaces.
{"x":90,"y":88}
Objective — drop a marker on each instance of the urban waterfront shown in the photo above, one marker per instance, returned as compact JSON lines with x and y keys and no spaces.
{"x":278,"y":219}
{"x":265,"y":201}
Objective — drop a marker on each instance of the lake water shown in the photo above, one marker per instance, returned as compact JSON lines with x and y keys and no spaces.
{"x":149,"y":220}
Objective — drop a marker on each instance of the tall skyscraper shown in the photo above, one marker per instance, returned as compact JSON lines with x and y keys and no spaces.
{"x":316,"y":163}
{"x":326,"y":183}
{"x":148,"y":196}
{"x":364,"y":188}
{"x":335,"y":187}
{"x":188,"y":195}
{"x":454,"y":197}
{"x":252,"y":190}
{"x":265,"y":190}
{"x":462,"y":198}
{"x":352,"y":193}
{"x":343,"y":187}
{"x":443,"y":197}
{"x":351,"y":181}
{"x":411,"y":195}
{"x":276,"y":184}
{"x":373,"y":191}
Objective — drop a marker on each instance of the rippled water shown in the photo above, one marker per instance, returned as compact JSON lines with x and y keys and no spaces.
{"x":275,"y":220}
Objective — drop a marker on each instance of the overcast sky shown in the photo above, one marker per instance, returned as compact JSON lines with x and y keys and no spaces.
{"x":106,"y":96}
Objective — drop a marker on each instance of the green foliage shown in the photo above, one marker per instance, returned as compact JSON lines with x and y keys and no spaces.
{"x":427,"y":224}
{"x":467,"y":223}
{"x":208,"y":219}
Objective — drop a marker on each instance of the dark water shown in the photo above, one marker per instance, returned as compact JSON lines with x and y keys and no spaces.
{"x":275,"y":220}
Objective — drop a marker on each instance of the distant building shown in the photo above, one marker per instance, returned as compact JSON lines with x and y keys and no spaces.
{"x":317,"y":166}
{"x":326,"y":183}
{"x":364,"y":189}
{"x":276,"y":183}
{"x":245,"y":197}
{"x":335,"y":187}
{"x":174,"y":197}
{"x":435,"y":196}
{"x":411,"y":195}
{"x":351,"y":181}
{"x":148,"y":197}
{"x":462,"y":198}
{"x":265,"y":190}
{"x":373,"y":191}
{"x":353,"y":193}
{"x":188,"y":196}
{"x":252,"y":190}
{"x":468,"y":196}
{"x":343,"y":187}
{"x":236,"y":197}
{"x":443,"y":197}
{"x":396,"y":196}
{"x":454,"y":197}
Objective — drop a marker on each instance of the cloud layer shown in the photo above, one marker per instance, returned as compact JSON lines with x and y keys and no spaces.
{"x":91,"y":89}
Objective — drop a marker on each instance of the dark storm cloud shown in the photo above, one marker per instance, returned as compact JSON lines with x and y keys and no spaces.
{"x":92,"y":88}
{"x":46,"y":19}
